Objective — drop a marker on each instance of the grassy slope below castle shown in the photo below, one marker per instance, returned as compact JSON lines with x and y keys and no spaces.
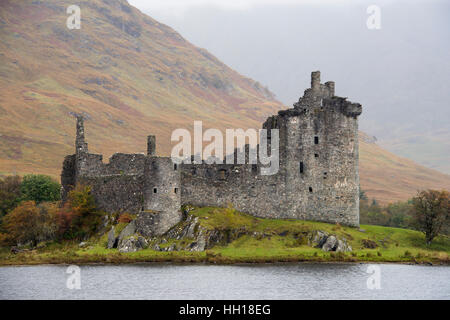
{"x":275,"y":241}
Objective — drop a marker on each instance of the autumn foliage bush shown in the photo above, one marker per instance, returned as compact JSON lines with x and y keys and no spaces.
{"x":31,"y":223}
{"x":79,"y":217}
{"x":125,"y":218}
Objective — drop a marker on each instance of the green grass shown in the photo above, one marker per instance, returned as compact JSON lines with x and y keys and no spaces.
{"x":265,"y":240}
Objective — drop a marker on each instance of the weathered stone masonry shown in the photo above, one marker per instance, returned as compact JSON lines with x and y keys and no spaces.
{"x":318,"y":177}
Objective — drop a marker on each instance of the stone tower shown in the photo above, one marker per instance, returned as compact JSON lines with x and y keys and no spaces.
{"x":319,"y":155}
{"x":162,"y":192}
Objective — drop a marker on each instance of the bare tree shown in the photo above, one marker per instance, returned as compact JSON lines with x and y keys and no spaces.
{"x":431,"y":212}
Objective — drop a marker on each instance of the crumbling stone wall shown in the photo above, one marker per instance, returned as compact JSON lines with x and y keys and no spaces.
{"x":117,"y":186}
{"x":117,"y":193}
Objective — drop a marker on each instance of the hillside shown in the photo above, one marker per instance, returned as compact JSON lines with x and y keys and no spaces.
{"x":127,"y":73}
{"x":388,"y":177}
{"x":131,"y":76}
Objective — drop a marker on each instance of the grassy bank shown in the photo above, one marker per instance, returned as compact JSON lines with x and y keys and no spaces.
{"x":265,"y":240}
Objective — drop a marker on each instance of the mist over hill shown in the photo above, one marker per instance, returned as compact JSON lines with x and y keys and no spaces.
{"x":399,"y":73}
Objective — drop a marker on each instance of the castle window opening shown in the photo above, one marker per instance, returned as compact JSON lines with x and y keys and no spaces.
{"x":310,"y":189}
{"x":316,"y":155}
{"x":301,"y":167}
{"x":175,"y":166}
{"x":175,"y":190}
{"x":316,"y":140}
{"x":155,"y":190}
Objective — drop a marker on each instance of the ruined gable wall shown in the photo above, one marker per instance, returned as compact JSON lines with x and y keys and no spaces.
{"x":117,"y":186}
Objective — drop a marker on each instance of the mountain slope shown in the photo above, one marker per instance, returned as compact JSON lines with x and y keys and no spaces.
{"x":131,"y":76}
{"x":388,"y":177}
{"x":127,"y":73}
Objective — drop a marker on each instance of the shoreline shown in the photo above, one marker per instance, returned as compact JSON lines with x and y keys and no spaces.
{"x":206,"y":261}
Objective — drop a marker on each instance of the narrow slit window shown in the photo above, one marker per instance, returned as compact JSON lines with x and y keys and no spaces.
{"x":155,"y":190}
{"x":175,"y":190}
{"x":175,"y":166}
{"x":310,"y":189}
{"x":316,"y":140}
{"x":301,"y":167}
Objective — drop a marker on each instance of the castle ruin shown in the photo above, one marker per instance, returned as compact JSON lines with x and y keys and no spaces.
{"x":318,"y":176}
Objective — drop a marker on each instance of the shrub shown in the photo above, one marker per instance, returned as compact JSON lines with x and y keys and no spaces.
{"x":79,"y":217}
{"x":369,"y":244}
{"x":431,"y":212}
{"x":125,"y":218}
{"x":29,"y":223}
{"x":40,"y":188}
{"x":10,"y":193}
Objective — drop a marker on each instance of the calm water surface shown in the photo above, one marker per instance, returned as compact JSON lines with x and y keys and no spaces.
{"x":165,"y":281}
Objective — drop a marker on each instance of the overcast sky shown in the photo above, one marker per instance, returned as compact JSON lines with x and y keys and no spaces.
{"x":400,"y":73}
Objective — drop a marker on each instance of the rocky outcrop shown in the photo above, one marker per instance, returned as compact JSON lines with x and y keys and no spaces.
{"x":111,"y":239}
{"x":327,"y":242}
{"x":190,"y":235}
{"x":133,"y":244}
{"x":127,"y":232}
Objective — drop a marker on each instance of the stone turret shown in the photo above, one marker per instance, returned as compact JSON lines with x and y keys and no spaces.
{"x":151,"y":146}
{"x":330,"y":86}
{"x":162,"y":196}
{"x":315,"y":80}
{"x":80,"y":144}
